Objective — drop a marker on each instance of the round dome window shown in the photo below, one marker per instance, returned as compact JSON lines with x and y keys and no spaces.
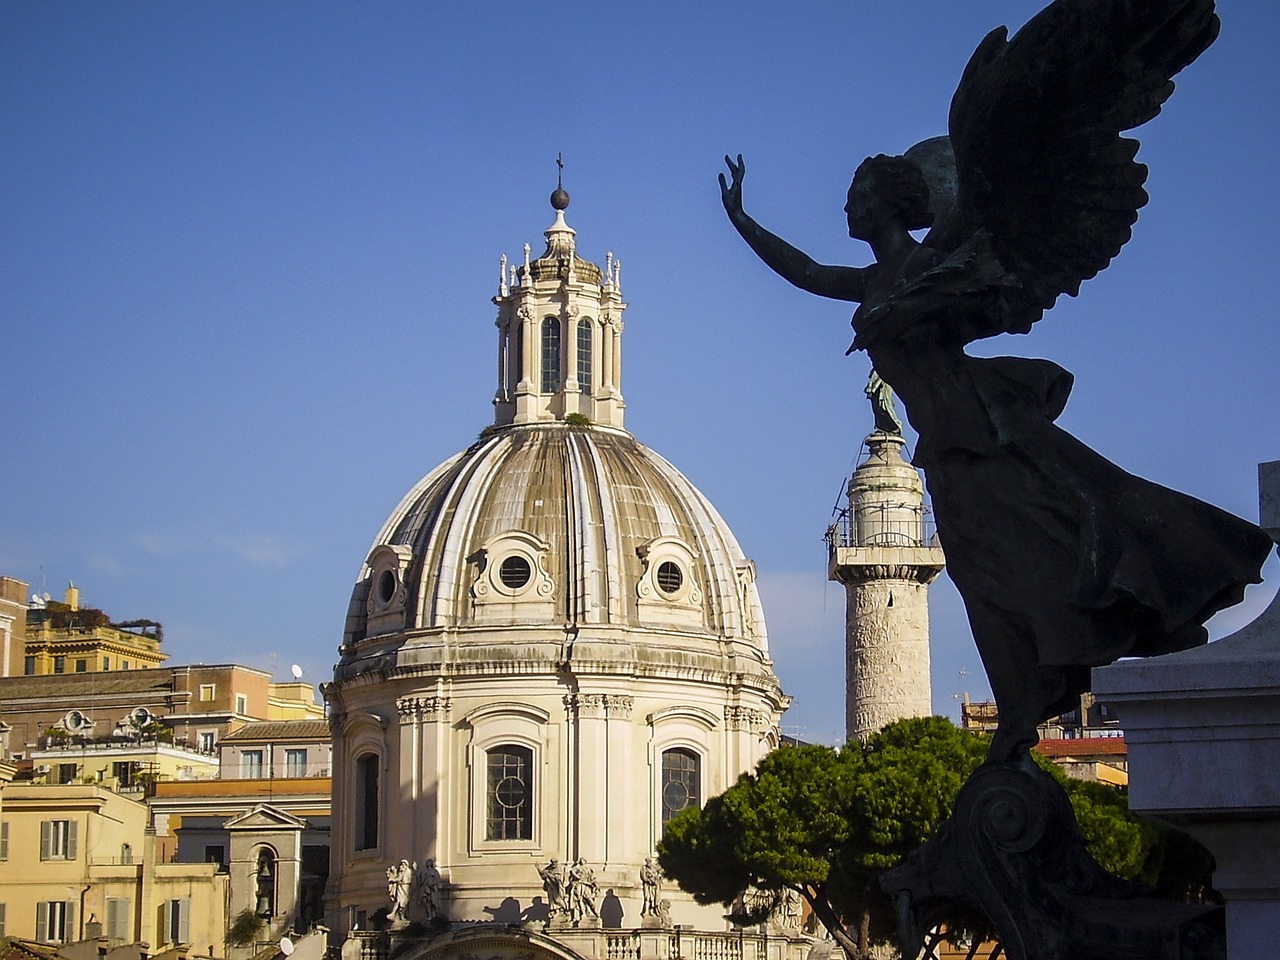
{"x":386,"y":586}
{"x":670,"y":577}
{"x":515,"y":572}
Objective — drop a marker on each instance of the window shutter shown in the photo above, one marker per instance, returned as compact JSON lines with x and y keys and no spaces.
{"x":118,"y":919}
{"x":69,"y":931}
{"x":4,"y":841}
{"x":42,"y":921}
{"x":184,"y":921}
{"x":71,"y":839}
{"x":2,"y":906}
{"x":45,"y":827}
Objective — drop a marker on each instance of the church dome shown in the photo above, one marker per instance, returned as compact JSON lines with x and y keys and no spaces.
{"x":578,"y":528}
{"x":554,"y":644}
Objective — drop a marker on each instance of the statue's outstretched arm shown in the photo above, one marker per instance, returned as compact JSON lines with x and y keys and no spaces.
{"x":790,"y":263}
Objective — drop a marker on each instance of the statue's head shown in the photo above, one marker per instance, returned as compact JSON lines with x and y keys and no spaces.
{"x":883,"y":188}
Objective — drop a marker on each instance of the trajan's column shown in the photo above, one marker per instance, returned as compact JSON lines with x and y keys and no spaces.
{"x":884,"y":551}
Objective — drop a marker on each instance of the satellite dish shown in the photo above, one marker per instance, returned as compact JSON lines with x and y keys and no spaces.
{"x":286,"y":946}
{"x":296,"y":671}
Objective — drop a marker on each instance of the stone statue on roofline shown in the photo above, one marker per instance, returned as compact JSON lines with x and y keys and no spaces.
{"x":1064,"y":560}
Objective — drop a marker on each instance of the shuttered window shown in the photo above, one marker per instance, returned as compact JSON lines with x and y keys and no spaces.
{"x":55,"y":921}
{"x":176,"y":921}
{"x":58,"y":839}
{"x":118,"y":925}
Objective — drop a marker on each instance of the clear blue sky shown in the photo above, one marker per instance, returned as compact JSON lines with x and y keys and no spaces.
{"x":248,"y":251}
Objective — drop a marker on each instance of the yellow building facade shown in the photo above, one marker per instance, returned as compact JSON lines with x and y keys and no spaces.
{"x":78,"y":856}
{"x":64,"y":637}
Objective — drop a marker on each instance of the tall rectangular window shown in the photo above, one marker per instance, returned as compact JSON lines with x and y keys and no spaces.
{"x":4,"y":839}
{"x":106,"y":663}
{"x":208,"y":691}
{"x":177,"y":921}
{"x":509,"y":789}
{"x":208,"y":739}
{"x":242,"y":703}
{"x":82,"y":665}
{"x":58,"y":839}
{"x":550,"y":355}
{"x":29,"y":666}
{"x":295,"y":763}
{"x":681,"y":781}
{"x":67,"y":772}
{"x":367,"y":802}
{"x":251,"y":764}
{"x":118,"y":925}
{"x":584,"y":355}
{"x":55,"y":921}
{"x":59,"y":664}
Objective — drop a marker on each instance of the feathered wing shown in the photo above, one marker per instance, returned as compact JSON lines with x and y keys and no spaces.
{"x":1043,"y":171}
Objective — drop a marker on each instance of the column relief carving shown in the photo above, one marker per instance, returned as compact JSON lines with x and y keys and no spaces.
{"x":618,"y":706}
{"x":429,"y":709}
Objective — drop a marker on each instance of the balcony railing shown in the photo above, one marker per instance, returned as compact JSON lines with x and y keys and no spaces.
{"x":878,"y":531}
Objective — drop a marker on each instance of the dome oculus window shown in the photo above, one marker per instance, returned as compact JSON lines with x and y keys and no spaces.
{"x":515,"y":572}
{"x":386,"y":586}
{"x":670,"y":577}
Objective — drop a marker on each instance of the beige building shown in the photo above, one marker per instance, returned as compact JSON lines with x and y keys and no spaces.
{"x":75,"y":855}
{"x":13,"y":625}
{"x":193,"y":707}
{"x":64,"y":637}
{"x":264,"y":824}
{"x":554,"y":644}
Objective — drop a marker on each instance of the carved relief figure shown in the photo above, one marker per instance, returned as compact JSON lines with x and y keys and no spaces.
{"x":583,"y":891}
{"x":399,"y":882}
{"x":428,"y":881}
{"x":1064,"y":561}
{"x":650,"y":883}
{"x":553,"y":883}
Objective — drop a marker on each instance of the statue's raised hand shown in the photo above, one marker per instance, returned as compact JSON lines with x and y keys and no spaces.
{"x":731,"y":192}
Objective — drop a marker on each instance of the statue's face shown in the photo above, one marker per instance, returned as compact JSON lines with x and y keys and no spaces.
{"x":866,"y":208}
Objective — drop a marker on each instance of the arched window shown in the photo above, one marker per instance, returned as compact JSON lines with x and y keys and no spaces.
{"x":366,"y":811}
{"x":681,"y":781}
{"x":519,"y":354}
{"x":265,"y":874}
{"x":550,"y":355}
{"x":509,"y":790}
{"x":584,"y":354}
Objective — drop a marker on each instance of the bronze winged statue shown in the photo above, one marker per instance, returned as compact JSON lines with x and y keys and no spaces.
{"x":1064,"y":561}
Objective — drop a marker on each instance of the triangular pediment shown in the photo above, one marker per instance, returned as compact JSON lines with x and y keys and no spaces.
{"x":265,"y":817}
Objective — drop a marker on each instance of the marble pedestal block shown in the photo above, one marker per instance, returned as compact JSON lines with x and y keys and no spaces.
{"x":1203,"y":730}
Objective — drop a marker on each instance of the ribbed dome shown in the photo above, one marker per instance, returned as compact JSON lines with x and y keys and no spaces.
{"x":579,"y":528}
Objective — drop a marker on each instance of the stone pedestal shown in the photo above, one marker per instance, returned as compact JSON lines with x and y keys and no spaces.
{"x":1203,"y":729}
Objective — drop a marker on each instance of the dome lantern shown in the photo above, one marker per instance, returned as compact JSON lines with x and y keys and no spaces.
{"x":559,"y":334}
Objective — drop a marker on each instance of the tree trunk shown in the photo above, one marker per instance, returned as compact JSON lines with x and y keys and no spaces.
{"x":828,"y":917}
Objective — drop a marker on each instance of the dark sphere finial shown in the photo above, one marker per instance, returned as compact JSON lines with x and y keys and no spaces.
{"x":559,"y":196}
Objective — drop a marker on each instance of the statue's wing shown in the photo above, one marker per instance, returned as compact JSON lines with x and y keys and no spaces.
{"x":1036,"y":128}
